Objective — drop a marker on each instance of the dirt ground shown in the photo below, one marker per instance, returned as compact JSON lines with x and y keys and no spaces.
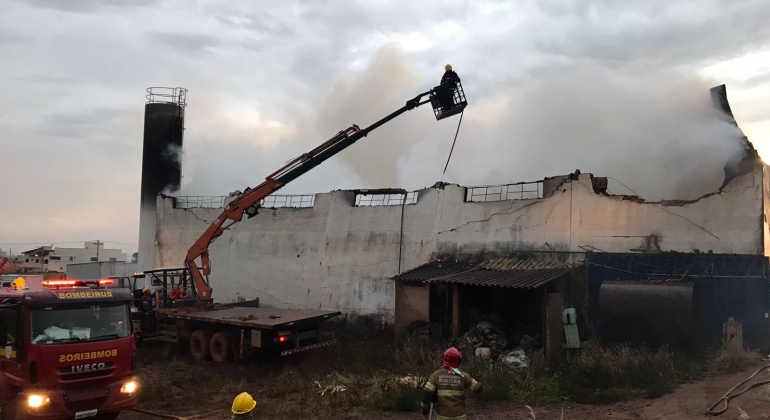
{"x":688,"y":402}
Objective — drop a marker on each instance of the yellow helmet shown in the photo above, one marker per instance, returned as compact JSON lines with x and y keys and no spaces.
{"x":448,"y":67}
{"x":19,"y":283}
{"x":243,"y":403}
{"x":145,"y":290}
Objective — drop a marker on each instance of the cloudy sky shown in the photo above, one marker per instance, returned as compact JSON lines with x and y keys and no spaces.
{"x":554,"y":86}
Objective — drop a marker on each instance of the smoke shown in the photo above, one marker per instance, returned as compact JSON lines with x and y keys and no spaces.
{"x":381,"y":89}
{"x":173,"y":156}
{"x":652,"y":128}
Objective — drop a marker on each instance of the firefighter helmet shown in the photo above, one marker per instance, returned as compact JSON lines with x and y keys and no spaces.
{"x":19,"y":283}
{"x":448,"y":67}
{"x":452,"y":358}
{"x":243,"y":403}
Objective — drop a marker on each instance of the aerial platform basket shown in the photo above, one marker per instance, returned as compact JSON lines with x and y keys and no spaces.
{"x":448,"y":99}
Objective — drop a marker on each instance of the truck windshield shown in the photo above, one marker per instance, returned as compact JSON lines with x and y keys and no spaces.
{"x":80,"y":323}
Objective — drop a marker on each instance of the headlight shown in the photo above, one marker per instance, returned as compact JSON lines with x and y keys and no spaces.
{"x":37,"y":400}
{"x":128,"y":387}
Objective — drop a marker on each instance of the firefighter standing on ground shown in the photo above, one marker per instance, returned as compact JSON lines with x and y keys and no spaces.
{"x":147,"y":300}
{"x":243,"y":407}
{"x":446,"y":387}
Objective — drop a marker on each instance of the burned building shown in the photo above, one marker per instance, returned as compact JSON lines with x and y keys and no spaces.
{"x":513,"y":246}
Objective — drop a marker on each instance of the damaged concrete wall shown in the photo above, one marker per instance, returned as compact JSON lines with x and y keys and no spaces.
{"x":766,"y":214}
{"x":338,"y":256}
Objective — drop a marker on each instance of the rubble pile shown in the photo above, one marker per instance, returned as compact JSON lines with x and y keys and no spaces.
{"x":516,"y":358}
{"x":487,"y":341}
{"x":486,"y":335}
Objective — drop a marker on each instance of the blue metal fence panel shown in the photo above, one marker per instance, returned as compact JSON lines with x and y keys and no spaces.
{"x":725,"y":285}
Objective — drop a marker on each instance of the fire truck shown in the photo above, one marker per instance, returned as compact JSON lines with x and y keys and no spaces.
{"x":67,"y":351}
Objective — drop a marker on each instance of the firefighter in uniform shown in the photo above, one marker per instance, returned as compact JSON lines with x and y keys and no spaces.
{"x":446,"y":388}
{"x":243,"y":407}
{"x":446,"y":95}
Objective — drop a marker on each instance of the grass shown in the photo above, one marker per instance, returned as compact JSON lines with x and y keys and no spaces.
{"x":369,"y":370}
{"x":733,"y":360}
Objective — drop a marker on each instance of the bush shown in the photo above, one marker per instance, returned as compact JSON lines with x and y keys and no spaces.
{"x":733,"y":360}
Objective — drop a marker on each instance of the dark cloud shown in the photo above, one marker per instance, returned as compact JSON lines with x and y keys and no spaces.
{"x":186,"y":41}
{"x":11,"y":38}
{"x":658,"y":32}
{"x":86,"y":6}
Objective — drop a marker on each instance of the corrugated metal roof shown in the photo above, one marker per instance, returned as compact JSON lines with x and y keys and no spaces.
{"x":515,"y":273}
{"x":504,"y":264}
{"x":520,"y":279}
{"x":433,"y":269}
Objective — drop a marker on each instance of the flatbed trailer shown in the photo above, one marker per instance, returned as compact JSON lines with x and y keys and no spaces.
{"x":223,"y":332}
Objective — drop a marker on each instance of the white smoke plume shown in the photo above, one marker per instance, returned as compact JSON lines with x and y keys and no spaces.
{"x":654,"y":129}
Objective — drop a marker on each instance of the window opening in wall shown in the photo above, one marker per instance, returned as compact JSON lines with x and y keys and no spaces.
{"x":93,"y":258}
{"x":518,"y":191}
{"x":294,"y":200}
{"x":385,"y":199}
{"x":198,"y":201}
{"x":55,"y":258}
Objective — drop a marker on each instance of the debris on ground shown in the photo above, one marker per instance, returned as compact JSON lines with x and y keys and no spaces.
{"x":244,"y":318}
{"x":516,"y":359}
{"x":199,"y":307}
{"x":483,"y":353}
{"x":411,"y":380}
{"x":484,"y":335}
{"x":330,"y":389}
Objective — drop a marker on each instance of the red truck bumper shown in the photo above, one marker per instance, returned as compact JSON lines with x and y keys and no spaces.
{"x":85,"y":404}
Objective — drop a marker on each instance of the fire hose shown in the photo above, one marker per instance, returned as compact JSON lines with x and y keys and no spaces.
{"x":163,"y":416}
{"x":729,"y":394}
{"x":453,"y":144}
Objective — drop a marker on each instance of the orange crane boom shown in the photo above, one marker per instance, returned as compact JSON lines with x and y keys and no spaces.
{"x":447,"y":100}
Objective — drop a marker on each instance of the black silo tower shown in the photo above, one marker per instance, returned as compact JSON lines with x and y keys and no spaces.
{"x":163,"y":136}
{"x":161,"y":160}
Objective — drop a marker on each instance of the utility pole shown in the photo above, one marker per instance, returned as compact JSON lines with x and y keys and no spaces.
{"x":97,"y":249}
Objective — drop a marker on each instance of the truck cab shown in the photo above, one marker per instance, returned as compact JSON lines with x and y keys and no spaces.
{"x":66,"y":351}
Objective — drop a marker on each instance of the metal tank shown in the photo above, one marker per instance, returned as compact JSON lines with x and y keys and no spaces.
{"x":161,"y":160}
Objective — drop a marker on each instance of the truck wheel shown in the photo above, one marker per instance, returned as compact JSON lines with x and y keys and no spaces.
{"x":200,"y":345}
{"x":9,"y":411}
{"x":222,"y":346}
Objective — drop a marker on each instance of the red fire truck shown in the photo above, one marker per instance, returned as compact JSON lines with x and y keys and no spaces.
{"x":66,"y":352}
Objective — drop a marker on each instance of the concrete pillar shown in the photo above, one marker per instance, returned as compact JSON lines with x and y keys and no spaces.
{"x":455,"y":311}
{"x":554,"y":329}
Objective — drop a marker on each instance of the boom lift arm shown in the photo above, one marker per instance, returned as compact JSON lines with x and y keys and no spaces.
{"x":248,"y":202}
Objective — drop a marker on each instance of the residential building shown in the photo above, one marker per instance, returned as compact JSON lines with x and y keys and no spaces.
{"x":50,"y":258}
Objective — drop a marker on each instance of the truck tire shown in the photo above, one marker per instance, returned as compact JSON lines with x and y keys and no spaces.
{"x":9,"y":411}
{"x":222,"y":346}
{"x":200,"y":345}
